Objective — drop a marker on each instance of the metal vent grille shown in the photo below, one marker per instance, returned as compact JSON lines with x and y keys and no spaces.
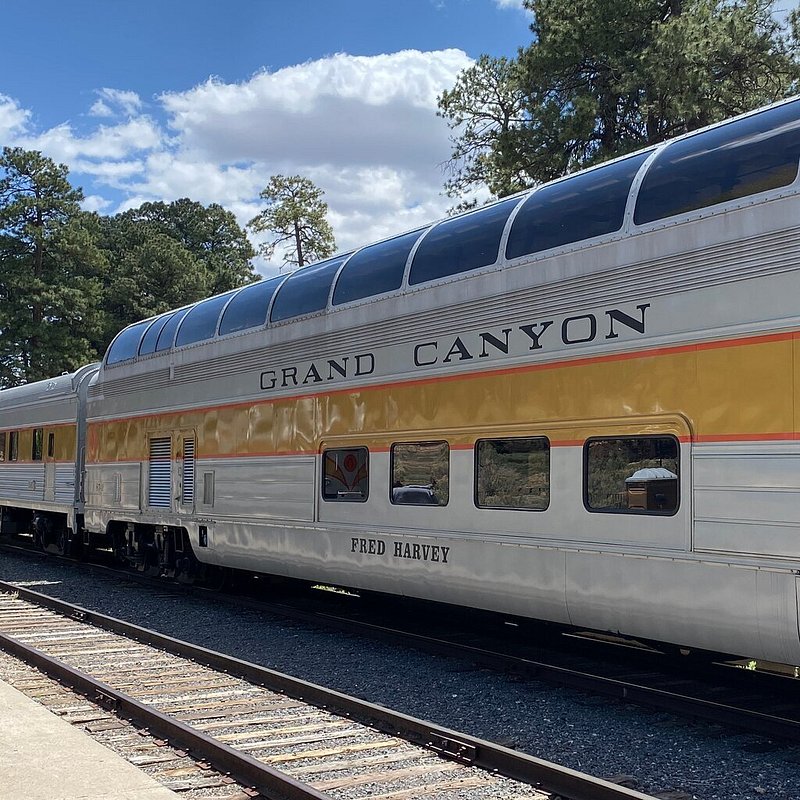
{"x":187,"y":494}
{"x":159,"y":494}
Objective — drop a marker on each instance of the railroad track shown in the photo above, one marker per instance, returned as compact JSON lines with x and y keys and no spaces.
{"x":768,"y":705}
{"x":278,"y":736}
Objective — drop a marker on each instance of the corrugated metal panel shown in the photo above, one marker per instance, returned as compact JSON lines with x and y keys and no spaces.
{"x":65,"y":483}
{"x":21,"y":482}
{"x":159,"y":493}
{"x":187,"y":495}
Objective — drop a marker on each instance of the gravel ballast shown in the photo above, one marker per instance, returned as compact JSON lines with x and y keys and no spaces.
{"x":662,"y":753}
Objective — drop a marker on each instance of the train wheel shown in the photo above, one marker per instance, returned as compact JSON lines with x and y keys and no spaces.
{"x":60,"y":542}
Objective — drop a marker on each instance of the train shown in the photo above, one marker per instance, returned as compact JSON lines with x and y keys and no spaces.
{"x":578,"y":404}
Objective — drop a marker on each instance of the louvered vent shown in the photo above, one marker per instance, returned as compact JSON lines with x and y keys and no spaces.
{"x":160,"y":489}
{"x":187,"y":496}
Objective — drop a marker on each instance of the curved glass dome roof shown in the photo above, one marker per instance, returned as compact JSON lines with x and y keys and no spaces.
{"x":736,"y":159}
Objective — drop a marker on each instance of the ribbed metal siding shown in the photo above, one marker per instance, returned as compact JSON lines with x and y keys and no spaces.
{"x":159,"y":494}
{"x":187,"y":495}
{"x":64,"y":489}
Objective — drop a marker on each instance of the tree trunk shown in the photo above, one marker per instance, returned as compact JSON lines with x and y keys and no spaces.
{"x":300,"y":261}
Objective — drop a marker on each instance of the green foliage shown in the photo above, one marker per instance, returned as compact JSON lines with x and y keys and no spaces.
{"x":50,"y":271}
{"x":165,"y":255}
{"x":69,"y":280}
{"x":605,"y":77}
{"x":296,"y":216}
{"x":209,"y":233}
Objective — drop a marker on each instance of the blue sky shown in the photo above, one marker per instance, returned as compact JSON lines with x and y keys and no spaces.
{"x":160,"y":100}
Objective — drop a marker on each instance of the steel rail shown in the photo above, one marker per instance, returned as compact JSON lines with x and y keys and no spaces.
{"x":684,"y":705}
{"x":450,"y":744}
{"x":247,"y":770}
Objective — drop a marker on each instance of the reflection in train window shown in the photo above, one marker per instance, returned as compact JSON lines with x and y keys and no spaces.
{"x":305,"y":290}
{"x":201,"y":321}
{"x":513,"y":473}
{"x":3,"y":446}
{"x":37,"y":444}
{"x":632,"y":474}
{"x":151,"y":335}
{"x":13,"y":445}
{"x":126,"y":345}
{"x":345,"y":474}
{"x":461,"y":244}
{"x":581,"y":207}
{"x":421,"y":474}
{"x":376,"y":269}
{"x":740,"y":158}
{"x":249,"y":308}
{"x":167,"y":335}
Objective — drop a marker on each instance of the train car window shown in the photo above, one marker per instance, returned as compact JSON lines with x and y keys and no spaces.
{"x":3,"y":446}
{"x":632,"y":474}
{"x":513,"y":473}
{"x":374,"y":270}
{"x":462,"y":244}
{"x":420,"y":474}
{"x":151,"y":335}
{"x":249,"y":308}
{"x":741,"y":158}
{"x":51,"y":445}
{"x":306,"y":290}
{"x":37,"y":444}
{"x":201,"y":321}
{"x":345,"y":474}
{"x":574,"y":209}
{"x":13,"y":446}
{"x":167,"y":334}
{"x":126,"y":345}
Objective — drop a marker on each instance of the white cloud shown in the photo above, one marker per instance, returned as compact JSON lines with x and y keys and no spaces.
{"x":95,"y":202}
{"x":514,"y":4}
{"x":13,"y":119}
{"x":364,"y":129}
{"x":365,"y":110}
{"x":111,"y":101}
{"x":106,"y":142}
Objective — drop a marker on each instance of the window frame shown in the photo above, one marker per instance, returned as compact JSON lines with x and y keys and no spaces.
{"x":638,"y":512}
{"x":323,"y":474}
{"x":230,"y":325}
{"x":127,"y":336}
{"x":696,"y":149}
{"x":392,"y":487}
{"x":476,"y":467}
{"x":440,"y":239}
{"x":13,"y":445}
{"x":553,"y":201}
{"x":194,"y":327}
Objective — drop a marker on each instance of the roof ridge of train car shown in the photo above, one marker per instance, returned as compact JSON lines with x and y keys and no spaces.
{"x":745,"y":159}
{"x":59,"y":386}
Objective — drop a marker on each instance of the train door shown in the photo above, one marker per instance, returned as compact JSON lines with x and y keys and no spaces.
{"x":185,"y":490}
{"x":160,"y":473}
{"x":171,"y":472}
{"x":49,"y":467}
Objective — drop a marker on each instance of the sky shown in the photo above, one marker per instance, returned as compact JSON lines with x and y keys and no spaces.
{"x":163,"y":99}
